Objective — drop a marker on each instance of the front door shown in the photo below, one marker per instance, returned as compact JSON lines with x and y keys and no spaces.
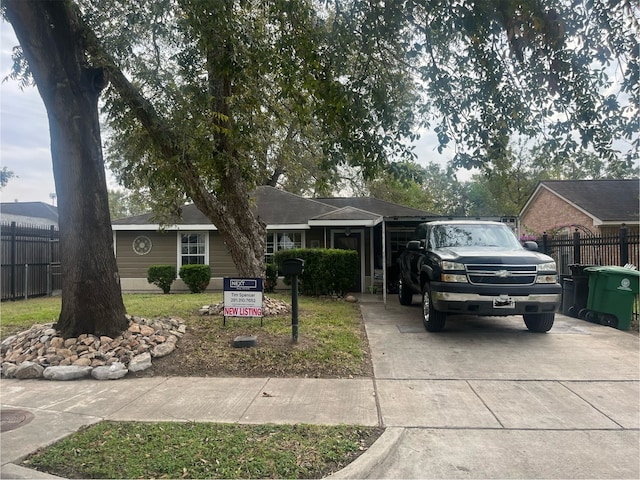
{"x":349,"y":240}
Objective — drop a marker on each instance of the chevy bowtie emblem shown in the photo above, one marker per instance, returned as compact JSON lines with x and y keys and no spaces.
{"x":503,"y":274}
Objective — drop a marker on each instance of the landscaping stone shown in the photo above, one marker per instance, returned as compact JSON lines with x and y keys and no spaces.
{"x":163,"y":349}
{"x":112,"y":372}
{"x":28,"y":370}
{"x":71,"y":372}
{"x":140,"y":362}
{"x":42,"y":345}
{"x":9,"y":369}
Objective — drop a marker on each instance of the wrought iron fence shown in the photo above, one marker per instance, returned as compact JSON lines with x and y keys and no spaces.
{"x":586,"y":249}
{"x":30,"y":261}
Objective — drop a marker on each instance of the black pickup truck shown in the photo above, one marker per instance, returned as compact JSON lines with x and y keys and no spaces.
{"x":478,"y":268}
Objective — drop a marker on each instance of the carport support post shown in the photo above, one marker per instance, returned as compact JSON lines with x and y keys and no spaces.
{"x":294,"y":308}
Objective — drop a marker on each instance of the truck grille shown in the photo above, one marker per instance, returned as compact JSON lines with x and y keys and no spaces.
{"x":501,"y":274}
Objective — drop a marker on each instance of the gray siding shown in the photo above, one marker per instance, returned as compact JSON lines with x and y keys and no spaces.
{"x":132,"y":265}
{"x":165,"y":252}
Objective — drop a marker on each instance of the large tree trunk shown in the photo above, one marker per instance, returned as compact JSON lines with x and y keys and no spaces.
{"x":91,"y":295}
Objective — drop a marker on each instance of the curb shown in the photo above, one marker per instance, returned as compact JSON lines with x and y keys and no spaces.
{"x":11,"y":470}
{"x":366,"y":464}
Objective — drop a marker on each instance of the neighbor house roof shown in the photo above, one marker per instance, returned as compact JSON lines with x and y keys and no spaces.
{"x":606,"y":201}
{"x":29,"y":212}
{"x":279,"y":209}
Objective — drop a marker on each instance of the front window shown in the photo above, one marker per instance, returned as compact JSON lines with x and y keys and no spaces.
{"x":281,"y":241}
{"x":193,"y":248}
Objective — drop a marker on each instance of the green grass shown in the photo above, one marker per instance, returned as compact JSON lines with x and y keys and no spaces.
{"x":203,"y":450}
{"x":331,"y":343}
{"x":22,"y":314}
{"x":331,"y":340}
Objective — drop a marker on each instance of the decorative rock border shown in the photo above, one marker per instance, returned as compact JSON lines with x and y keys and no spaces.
{"x":41,"y":353}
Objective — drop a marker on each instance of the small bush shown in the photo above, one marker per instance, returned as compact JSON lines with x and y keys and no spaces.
{"x":161,"y":276}
{"x":196,"y":277}
{"x":271,"y":278}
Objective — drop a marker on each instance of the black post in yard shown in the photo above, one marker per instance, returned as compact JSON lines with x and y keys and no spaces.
{"x":293,"y":267}
{"x":294,"y":308}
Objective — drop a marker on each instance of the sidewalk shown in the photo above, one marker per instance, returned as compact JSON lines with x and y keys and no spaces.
{"x":484,"y":399}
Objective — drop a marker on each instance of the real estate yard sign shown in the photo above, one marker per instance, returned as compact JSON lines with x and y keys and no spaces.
{"x":243,"y":297}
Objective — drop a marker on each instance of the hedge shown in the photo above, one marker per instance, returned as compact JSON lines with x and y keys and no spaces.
{"x":327,"y":271}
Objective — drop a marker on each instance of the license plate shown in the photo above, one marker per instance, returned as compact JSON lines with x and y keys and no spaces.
{"x":504,"y":302}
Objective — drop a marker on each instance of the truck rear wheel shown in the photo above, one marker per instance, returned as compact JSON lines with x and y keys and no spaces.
{"x":405,"y":295}
{"x":539,"y":322}
{"x":433,"y":320}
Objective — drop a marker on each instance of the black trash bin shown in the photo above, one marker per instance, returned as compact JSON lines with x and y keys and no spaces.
{"x":567,"y":294}
{"x":580,"y":279}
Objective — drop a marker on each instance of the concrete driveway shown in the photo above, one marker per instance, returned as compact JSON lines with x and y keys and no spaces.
{"x":488,"y":399}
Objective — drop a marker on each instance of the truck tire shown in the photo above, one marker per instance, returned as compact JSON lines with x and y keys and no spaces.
{"x":539,"y":322}
{"x":405,"y":295}
{"x":433,"y":320}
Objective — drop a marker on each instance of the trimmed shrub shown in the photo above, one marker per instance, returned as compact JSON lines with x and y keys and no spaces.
{"x":326,"y":270}
{"x":196,"y":277}
{"x":161,"y":276}
{"x":271,"y":278}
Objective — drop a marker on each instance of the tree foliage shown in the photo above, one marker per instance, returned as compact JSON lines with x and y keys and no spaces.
{"x":501,"y":189}
{"x":208,"y":99}
{"x":539,"y":68}
{"x":5,"y":176}
{"x":126,"y":204}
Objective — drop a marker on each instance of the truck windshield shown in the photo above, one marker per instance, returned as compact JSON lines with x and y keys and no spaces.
{"x":471,"y":235}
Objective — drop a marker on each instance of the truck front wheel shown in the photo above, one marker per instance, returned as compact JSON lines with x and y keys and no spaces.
{"x":539,"y":322}
{"x":433,"y":320}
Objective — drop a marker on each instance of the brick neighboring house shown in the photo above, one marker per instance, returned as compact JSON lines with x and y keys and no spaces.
{"x":601,"y":206}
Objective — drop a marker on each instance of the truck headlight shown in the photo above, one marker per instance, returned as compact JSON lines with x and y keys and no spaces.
{"x":446,"y":265}
{"x":547,"y":267}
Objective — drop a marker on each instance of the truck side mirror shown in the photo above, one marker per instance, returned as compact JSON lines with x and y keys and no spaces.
{"x":530,"y":245}
{"x":415,"y":245}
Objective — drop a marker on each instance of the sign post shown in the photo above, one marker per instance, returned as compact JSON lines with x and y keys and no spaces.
{"x":293,"y":267}
{"x":242,"y":298}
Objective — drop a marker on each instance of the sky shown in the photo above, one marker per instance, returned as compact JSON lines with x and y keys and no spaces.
{"x":25,"y":143}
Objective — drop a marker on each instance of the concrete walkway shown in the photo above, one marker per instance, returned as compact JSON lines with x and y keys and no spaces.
{"x":483,"y":399}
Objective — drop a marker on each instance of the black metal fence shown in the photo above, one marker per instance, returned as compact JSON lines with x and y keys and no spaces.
{"x":30,"y":258}
{"x":582,"y":248}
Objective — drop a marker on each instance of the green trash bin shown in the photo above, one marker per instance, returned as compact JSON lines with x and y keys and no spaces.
{"x":612,"y":291}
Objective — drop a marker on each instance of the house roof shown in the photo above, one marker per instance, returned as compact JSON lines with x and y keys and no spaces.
{"x":346,"y":216}
{"x":381,"y":207}
{"x":280,"y":209}
{"x":11,"y":211}
{"x":606,"y":201}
